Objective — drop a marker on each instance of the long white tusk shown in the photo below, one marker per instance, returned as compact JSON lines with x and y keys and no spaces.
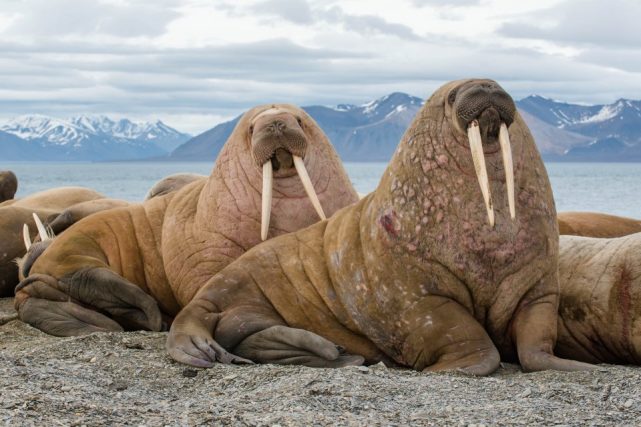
{"x":266,"y":211}
{"x":506,"y":150}
{"x":307,"y":184}
{"x":25,"y":236}
{"x":42,"y":231}
{"x":478,"y":157}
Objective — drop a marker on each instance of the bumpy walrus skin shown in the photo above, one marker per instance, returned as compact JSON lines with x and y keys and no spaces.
{"x":127,"y":268}
{"x":47,"y":205}
{"x":594,"y":224}
{"x":8,"y":185}
{"x":600,"y":307}
{"x":426,"y":271}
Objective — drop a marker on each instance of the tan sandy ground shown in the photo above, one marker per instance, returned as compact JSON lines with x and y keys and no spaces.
{"x":126,"y":378}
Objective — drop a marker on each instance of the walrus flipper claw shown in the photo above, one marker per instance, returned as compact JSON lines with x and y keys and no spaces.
{"x":289,"y":346}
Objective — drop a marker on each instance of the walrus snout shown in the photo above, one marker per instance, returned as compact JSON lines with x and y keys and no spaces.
{"x":485,"y":110}
{"x":278,"y":143}
{"x":483,"y":100}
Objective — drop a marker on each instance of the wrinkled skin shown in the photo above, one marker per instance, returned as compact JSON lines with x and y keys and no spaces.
{"x":47,"y":205}
{"x":412,"y":273}
{"x":8,"y":185}
{"x":135,"y":267}
{"x":593,"y":224}
{"x":600,"y":307}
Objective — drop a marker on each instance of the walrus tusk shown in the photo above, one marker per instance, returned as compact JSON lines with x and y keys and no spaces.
{"x":25,"y":236}
{"x":307,"y":184}
{"x":42,"y":231}
{"x":506,"y":150}
{"x":266,"y":211}
{"x":476,"y":146}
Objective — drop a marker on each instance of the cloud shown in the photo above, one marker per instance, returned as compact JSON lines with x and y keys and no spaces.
{"x":366,"y":24}
{"x":583,"y":22}
{"x":296,"y":11}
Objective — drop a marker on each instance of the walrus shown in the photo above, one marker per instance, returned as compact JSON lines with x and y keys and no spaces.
{"x":426,"y":271}
{"x":8,"y":185}
{"x":594,"y":224}
{"x":47,"y":205}
{"x":172,"y":183}
{"x":128,"y":267}
{"x":600,"y":306}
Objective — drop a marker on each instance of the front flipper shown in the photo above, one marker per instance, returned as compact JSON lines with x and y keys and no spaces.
{"x":200,"y":351}
{"x":289,"y":346}
{"x":105,"y":290}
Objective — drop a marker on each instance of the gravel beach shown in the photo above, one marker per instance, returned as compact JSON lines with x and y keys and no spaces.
{"x":127,"y":378}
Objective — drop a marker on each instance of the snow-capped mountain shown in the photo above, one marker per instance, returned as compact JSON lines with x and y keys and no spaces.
{"x":612,"y":132}
{"x":92,"y":138}
{"x":367,"y":132}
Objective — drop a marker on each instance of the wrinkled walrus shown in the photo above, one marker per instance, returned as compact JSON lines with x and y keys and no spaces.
{"x":427,"y":270}
{"x":594,"y":224}
{"x":172,"y":183}
{"x":127,"y":267}
{"x":8,"y":185}
{"x":600,"y":307}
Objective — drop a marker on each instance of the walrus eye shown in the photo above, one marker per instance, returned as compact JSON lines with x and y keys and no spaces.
{"x":452,"y":97}
{"x":251,"y":129}
{"x":300,"y":122}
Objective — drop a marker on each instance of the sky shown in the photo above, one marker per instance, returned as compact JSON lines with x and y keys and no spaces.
{"x":195,"y":63}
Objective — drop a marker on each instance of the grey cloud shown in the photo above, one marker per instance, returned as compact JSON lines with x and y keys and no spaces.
{"x":607,"y":23}
{"x":366,"y":24}
{"x":458,"y":3}
{"x":296,"y":11}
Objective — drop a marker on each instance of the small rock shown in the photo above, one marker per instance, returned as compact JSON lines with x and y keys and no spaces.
{"x":363,"y":369}
{"x":93,"y":359}
{"x":526,"y":392}
{"x":65,"y":388}
{"x":628,"y":403}
{"x":189,"y":373}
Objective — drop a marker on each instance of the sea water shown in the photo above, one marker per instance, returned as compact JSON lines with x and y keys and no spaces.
{"x":601,"y":187}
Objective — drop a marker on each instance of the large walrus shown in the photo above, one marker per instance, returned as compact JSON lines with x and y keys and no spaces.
{"x":600,"y":307}
{"x":127,"y":267}
{"x":427,"y":271}
{"x":594,"y":224}
{"x":8,"y":185}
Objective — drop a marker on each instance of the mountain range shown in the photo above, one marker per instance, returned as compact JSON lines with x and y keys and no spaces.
{"x":93,"y":138}
{"x":367,"y":132}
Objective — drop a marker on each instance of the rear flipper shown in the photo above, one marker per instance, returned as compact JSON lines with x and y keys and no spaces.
{"x":79,"y":304}
{"x":283,"y":345}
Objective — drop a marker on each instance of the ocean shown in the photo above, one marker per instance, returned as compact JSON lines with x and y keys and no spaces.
{"x":600,"y":187}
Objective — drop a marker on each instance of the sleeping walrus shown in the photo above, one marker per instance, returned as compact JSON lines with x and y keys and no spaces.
{"x":127,"y":267}
{"x":594,"y":224}
{"x":47,"y":205}
{"x":8,"y":185}
{"x":427,"y":270}
{"x":600,"y":307}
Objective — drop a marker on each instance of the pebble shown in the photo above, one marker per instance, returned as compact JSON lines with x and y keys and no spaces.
{"x":628,"y":403}
{"x":363,"y":369}
{"x":189,"y":373}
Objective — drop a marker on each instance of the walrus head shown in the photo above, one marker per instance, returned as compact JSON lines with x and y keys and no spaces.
{"x":34,"y":249}
{"x":8,"y":185}
{"x":484,"y":111}
{"x":279,"y":145}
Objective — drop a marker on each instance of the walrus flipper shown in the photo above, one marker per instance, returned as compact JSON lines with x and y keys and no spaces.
{"x":41,"y":304}
{"x":283,"y":345}
{"x":64,"y":307}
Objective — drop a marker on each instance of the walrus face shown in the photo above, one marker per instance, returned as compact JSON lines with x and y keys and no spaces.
{"x":279,"y":144}
{"x":483,"y":110}
{"x":34,"y":249}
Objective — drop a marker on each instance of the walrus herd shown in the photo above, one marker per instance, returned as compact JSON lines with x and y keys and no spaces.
{"x":454,"y":262}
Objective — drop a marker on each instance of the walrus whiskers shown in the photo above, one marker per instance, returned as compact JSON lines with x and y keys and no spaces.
{"x":476,"y":147}
{"x":506,"y":150}
{"x":25,"y":236}
{"x":266,"y":210}
{"x":307,"y":184}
